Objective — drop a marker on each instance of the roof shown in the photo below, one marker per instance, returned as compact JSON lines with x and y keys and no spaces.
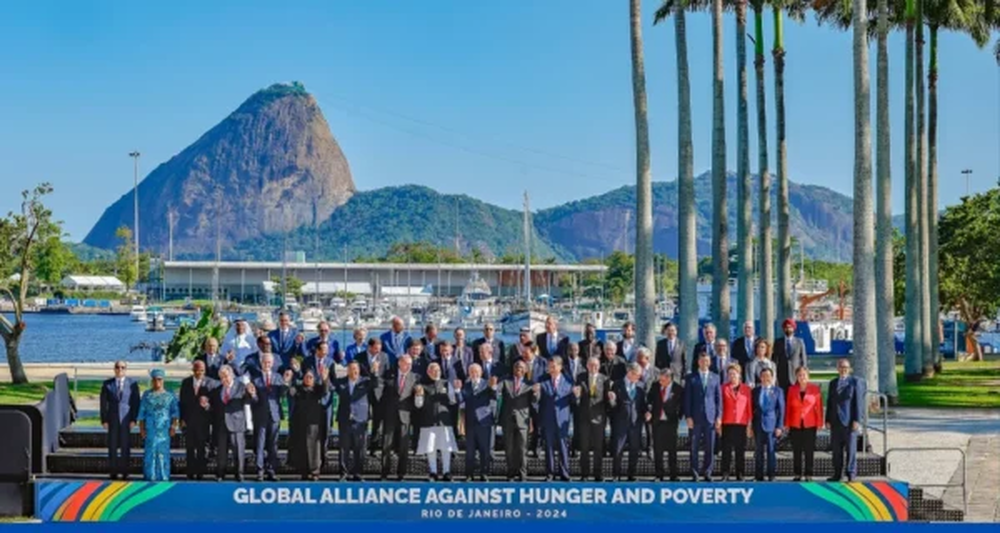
{"x":402,"y":290}
{"x":331,"y":287}
{"x":445,"y":267}
{"x":92,"y":281}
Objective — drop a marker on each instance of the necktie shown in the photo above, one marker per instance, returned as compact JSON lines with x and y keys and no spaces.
{"x":704,"y":381}
{"x":121,"y":388}
{"x":267,"y":381}
{"x":517,"y":385}
{"x":475,"y":385}
{"x":552,"y":344}
{"x":764,"y":397}
{"x":555,"y":385}
{"x":197,"y":385}
{"x":530,"y":366}
{"x":593,"y":386}
{"x":631,"y":391}
{"x":749,"y":344}
{"x":670,"y":346}
{"x":402,"y":380}
{"x":788,"y":347}
{"x":225,"y":395}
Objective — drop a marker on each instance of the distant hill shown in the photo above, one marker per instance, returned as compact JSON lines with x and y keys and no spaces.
{"x":271,"y":159}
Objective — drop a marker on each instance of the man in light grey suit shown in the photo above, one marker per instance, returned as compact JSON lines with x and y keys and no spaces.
{"x":789,"y":354}
{"x":227,"y":403}
{"x":670,"y":353}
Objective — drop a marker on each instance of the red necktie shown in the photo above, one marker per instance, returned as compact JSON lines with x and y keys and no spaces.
{"x":267,"y":381}
{"x":225,"y":395}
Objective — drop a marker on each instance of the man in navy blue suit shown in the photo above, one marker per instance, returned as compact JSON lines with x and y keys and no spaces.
{"x":703,"y":407}
{"x":266,"y":391}
{"x":845,"y":407}
{"x":554,"y":396}
{"x":212,"y":358}
{"x":396,"y":341}
{"x":628,"y":403}
{"x":479,"y":399}
{"x":352,"y":420}
{"x":768,"y":419}
{"x":358,"y":347}
{"x":119,"y":408}
{"x":285,"y":341}
{"x":324,"y":338}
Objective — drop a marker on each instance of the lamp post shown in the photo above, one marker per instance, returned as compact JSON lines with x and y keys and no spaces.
{"x":135,"y":198}
{"x":967,"y":173}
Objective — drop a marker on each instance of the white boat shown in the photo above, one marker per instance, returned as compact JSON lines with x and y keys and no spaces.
{"x":157,"y":321}
{"x":137,"y":314}
{"x":514,"y":321}
{"x":310,"y":317}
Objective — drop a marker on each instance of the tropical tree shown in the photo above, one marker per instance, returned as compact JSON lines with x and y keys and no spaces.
{"x":20,"y":235}
{"x":865,"y":348}
{"x":744,"y":185}
{"x":765,"y":240}
{"x":913,"y":348}
{"x":720,"y":219}
{"x":687,"y":245}
{"x":645,"y":290}
{"x":924,"y":210}
{"x":125,"y":257}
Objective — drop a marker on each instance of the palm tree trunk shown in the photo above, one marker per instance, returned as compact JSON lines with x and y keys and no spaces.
{"x":720,"y":218}
{"x":765,"y":256}
{"x":932,"y":201}
{"x":687,"y":226}
{"x":744,"y":220}
{"x":645,"y":290}
{"x":883,"y":240}
{"x":865,"y":346}
{"x":913,"y":362}
{"x":785,"y":304}
{"x":923,"y":265}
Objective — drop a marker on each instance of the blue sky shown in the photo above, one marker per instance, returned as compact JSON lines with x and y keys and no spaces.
{"x":483,"y":98}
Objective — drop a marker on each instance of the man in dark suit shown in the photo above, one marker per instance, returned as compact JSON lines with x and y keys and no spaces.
{"x":515,"y":416}
{"x":196,"y":417}
{"x":612,"y":365}
{"x":589,"y":345}
{"x":266,"y":391}
{"x":703,"y":408}
{"x":451,"y":371}
{"x":324,"y":337}
{"x":251,"y":365}
{"x":628,"y":416}
{"x":286,"y":342}
{"x":721,"y":360}
{"x":479,"y":398}
{"x":465,"y":354}
{"x":430,"y":342}
{"x":352,"y":420}
{"x":590,"y":395}
{"x":489,"y":337}
{"x":119,"y":409}
{"x":397,"y":405}
{"x":743,"y":347}
{"x":211,"y":357}
{"x":228,"y":400}
{"x":789,"y":354}
{"x":666,"y":401}
{"x":487,"y":360}
{"x":648,"y":375}
{"x":396,"y":340}
{"x":550,"y":343}
{"x":845,"y":410}
{"x":370,"y":362}
{"x":628,"y":345}
{"x":708,"y":345}
{"x":554,"y":396}
{"x":517,"y":349}
{"x":573,"y":364}
{"x":768,"y":419}
{"x":670,"y":352}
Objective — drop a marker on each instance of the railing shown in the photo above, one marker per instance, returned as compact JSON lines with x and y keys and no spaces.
{"x":965,"y":472}
{"x":883,"y":405}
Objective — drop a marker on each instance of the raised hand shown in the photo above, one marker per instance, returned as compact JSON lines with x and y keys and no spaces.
{"x":230,"y":355}
{"x":288,"y":376}
{"x":537,"y":388}
{"x":324,"y":372}
{"x":296,"y":365}
{"x":299,"y":339}
{"x":418,"y":390}
{"x":203,"y":402}
{"x":649,"y":416}
{"x":612,"y":396}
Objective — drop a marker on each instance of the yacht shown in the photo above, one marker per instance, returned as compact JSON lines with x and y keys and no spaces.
{"x":512,"y":323}
{"x":157,"y":320}
{"x":137,"y":314}
{"x":310,"y":317}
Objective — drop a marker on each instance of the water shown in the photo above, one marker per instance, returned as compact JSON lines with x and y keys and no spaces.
{"x":105,"y":338}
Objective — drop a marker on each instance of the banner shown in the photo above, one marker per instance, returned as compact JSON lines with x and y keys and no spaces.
{"x":139,"y":501}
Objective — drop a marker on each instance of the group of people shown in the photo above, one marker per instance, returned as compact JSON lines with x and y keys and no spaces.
{"x":395,"y":396}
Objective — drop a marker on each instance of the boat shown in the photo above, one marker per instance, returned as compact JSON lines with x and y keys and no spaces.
{"x":156,"y":319}
{"x":310,"y":317}
{"x":137,"y":314}
{"x":526,"y":315}
{"x":513,"y":322}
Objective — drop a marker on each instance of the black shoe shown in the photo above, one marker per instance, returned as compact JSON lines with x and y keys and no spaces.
{"x":343,"y":478}
{"x":850,"y":479}
{"x":739,"y":477}
{"x":599,"y":479}
{"x":239,"y":478}
{"x":432,"y":477}
{"x":809,"y":479}
{"x":383,"y":477}
{"x":447,"y":477}
{"x":659,"y":479}
{"x":833,"y":479}
{"x":770,"y":478}
{"x":522,"y":478}
{"x":271,"y":476}
{"x":564,"y":478}
{"x":356,"y":477}
{"x":631,"y":478}
{"x":399,"y":478}
{"x":260,"y":478}
{"x":797,"y":478}
{"x":708,"y":479}
{"x":674,"y":478}
{"x":484,"y":479}
{"x":548,"y":478}
{"x":583,"y":479}
{"x":125,"y":477}
{"x":694,"y":479}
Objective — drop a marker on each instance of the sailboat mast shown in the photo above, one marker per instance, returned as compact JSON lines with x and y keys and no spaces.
{"x":527,"y":250}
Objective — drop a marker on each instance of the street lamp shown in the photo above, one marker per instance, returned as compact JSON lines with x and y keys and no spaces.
{"x":967,"y":173}
{"x":135,"y":197}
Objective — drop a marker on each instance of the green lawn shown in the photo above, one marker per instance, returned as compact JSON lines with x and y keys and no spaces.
{"x":34,"y":392}
{"x":961,"y":384}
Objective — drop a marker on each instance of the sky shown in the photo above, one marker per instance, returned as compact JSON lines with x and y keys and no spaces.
{"x":483,"y":98}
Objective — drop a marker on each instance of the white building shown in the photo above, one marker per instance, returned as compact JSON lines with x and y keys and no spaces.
{"x":93,"y":284}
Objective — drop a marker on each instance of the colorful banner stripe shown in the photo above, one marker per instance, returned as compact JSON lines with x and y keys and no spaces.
{"x":865,"y":502}
{"x":94,"y":501}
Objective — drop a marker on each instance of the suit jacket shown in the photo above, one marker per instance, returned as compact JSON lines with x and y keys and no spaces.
{"x":480,"y":404}
{"x":333,"y":346}
{"x":466,"y":357}
{"x":553,"y":407}
{"x":769,"y":412}
{"x":628,"y":411}
{"x":229,"y":412}
{"x":573,"y":368}
{"x":628,"y":355}
{"x":438,"y":399}
{"x":787,"y":362}
{"x":740,"y":352}
{"x":310,"y":363}
{"x":365,"y":363}
{"x":737,"y":406}
{"x":675,"y":360}
{"x":754,"y":368}
{"x":499,"y":350}
{"x":592,"y":405}
{"x":499,"y":370}
{"x":804,"y":411}
{"x":672,"y":409}
{"x":649,"y":376}
{"x":212,"y":367}
{"x":250,"y":366}
{"x":588,"y":349}
{"x":395,"y":349}
{"x":703,"y":401}
{"x":397,"y":403}
{"x":284,"y":347}
{"x":430,"y":348}
{"x":195,"y":417}
{"x":720,"y":367}
{"x":698,"y":348}
{"x":452,"y":369}
{"x":353,"y":350}
{"x":119,"y":406}
{"x":561,"y":345}
{"x":537,"y":370}
{"x":613,"y":368}
{"x":515,"y":406}
{"x":267,"y":406}
{"x":353,"y":405}
{"x":845,"y":403}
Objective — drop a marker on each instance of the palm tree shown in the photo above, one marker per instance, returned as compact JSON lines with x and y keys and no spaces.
{"x":687,"y":286}
{"x":784,"y":303}
{"x":744,"y":185}
{"x":720,"y":220}
{"x":865,"y":348}
{"x":645,"y":290}
{"x":914,"y":359}
{"x":923,"y":208}
{"x":765,"y":254}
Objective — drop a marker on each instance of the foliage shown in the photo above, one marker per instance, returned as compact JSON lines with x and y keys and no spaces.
{"x":188,"y":340}
{"x":619,"y":279}
{"x":53,"y":260}
{"x":293,"y":285}
{"x":898,"y":272}
{"x":961,"y":384}
{"x":125,"y":258}
{"x":969,"y":272}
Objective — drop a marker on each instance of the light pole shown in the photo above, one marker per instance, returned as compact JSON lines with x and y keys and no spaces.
{"x":135,"y":197}
{"x":967,"y":173}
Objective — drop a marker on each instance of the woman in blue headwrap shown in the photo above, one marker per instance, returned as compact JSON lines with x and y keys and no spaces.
{"x":158,"y":414}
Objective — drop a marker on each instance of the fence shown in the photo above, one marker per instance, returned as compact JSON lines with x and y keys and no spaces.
{"x":965,"y":472}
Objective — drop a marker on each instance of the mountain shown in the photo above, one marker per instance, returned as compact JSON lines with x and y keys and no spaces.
{"x":594,"y":227}
{"x":264,"y":169}
{"x":372,"y":221}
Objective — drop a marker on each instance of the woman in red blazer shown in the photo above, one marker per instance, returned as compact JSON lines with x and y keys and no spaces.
{"x":737,"y":415}
{"x":803,"y":415}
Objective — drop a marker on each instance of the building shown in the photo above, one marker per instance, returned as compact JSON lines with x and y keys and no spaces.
{"x":93,"y":284}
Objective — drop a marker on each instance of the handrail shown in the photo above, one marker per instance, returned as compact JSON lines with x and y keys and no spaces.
{"x":883,"y":405}
{"x":965,"y":472}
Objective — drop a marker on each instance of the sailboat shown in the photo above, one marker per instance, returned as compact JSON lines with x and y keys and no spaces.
{"x":525,"y":316}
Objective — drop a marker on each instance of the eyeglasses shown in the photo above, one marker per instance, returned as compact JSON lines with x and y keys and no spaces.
{"x":119,"y":367}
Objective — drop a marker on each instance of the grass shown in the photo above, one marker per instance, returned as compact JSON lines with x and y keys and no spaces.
{"x":960,"y":384}
{"x":34,"y":392}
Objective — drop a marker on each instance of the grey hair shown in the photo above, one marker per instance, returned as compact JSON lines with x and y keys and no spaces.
{"x":643,"y":350}
{"x":634,"y":367}
{"x":226,"y":369}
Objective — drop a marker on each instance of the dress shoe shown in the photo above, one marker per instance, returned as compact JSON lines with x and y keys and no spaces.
{"x":484,"y":479}
{"x":833,"y":479}
{"x":631,"y":478}
{"x":797,"y":478}
{"x":522,"y":478}
{"x":356,"y":477}
{"x":739,"y":477}
{"x":239,"y":478}
{"x":674,"y":478}
{"x":447,"y":477}
{"x":271,"y":476}
{"x":770,"y":478}
{"x":343,"y":478}
{"x":583,"y":479}
{"x":659,"y":479}
{"x":399,"y":478}
{"x":694,"y":479}
{"x":851,"y":479}
{"x":708,"y":479}
{"x":383,"y":477}
{"x":260,"y":478}
{"x":809,"y":479}
{"x":599,"y":479}
{"x":563,"y":478}
{"x":124,"y":477}
{"x":432,"y":477}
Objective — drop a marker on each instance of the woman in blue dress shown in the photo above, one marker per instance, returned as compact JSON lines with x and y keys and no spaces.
{"x":158,"y":414}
